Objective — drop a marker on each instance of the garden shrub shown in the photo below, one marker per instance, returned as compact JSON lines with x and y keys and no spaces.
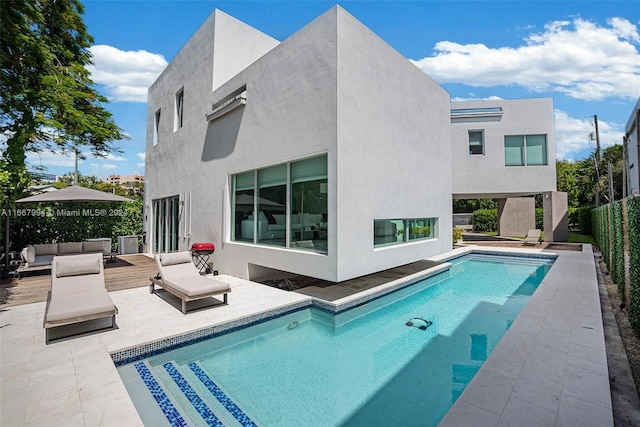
{"x":582,"y":217}
{"x":485,"y":220}
{"x":540,"y":218}
{"x":457,"y":234}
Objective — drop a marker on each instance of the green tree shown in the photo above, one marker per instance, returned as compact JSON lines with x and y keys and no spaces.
{"x":567,"y":174}
{"x":47,"y":98}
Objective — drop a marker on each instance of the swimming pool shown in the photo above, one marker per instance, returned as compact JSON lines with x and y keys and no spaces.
{"x":402,"y":359}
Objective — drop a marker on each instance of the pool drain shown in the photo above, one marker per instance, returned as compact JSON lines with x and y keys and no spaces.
{"x":292,"y":325}
{"x":419,"y":322}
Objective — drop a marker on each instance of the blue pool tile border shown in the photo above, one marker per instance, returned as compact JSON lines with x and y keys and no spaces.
{"x":199,"y":405}
{"x":225,"y":400}
{"x":134,"y":354}
{"x":144,"y":351}
{"x":161,"y":398}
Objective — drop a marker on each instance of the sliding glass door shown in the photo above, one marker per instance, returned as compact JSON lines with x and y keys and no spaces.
{"x":166,"y":221}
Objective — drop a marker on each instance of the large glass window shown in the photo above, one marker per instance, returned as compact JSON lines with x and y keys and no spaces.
{"x":166,"y":220}
{"x":309,"y":204}
{"x":514,"y":150}
{"x":394,"y":231}
{"x":525,"y":150}
{"x":476,"y":142}
{"x":243,"y":207}
{"x":272,"y":198}
{"x":536,"y":150}
{"x":298,"y":189}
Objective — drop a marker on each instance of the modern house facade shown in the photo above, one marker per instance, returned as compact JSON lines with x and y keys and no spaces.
{"x":505,"y":150}
{"x":327,"y":155}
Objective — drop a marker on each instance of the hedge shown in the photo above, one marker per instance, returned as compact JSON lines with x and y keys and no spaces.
{"x":485,"y":220}
{"x":633,"y":217}
{"x":608,"y":234}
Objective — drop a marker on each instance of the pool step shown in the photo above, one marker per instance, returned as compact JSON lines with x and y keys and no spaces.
{"x":215,"y":391}
{"x":188,"y":392}
{"x":198,"y":397}
{"x":174,"y":416}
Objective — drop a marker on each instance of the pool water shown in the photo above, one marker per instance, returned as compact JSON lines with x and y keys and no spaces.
{"x":402,"y":359}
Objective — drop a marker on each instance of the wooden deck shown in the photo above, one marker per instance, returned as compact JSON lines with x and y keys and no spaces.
{"x":125,"y":272}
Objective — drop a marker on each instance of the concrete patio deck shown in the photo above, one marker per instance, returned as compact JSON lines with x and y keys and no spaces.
{"x":549,"y":369}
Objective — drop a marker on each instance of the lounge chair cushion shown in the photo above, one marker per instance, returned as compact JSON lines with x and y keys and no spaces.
{"x":70,"y":248}
{"x":174,"y":258}
{"x":196,"y":285}
{"x":46,"y":249}
{"x":76,"y":265}
{"x":76,"y":305}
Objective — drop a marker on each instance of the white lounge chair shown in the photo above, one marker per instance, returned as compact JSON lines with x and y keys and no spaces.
{"x":178,"y":276}
{"x":533,"y":237}
{"x":78,"y":293}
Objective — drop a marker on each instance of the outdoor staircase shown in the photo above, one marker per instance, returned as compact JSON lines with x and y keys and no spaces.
{"x":187,"y":396}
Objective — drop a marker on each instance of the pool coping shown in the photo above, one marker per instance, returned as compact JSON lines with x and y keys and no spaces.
{"x":139,"y":352}
{"x":69,"y":382}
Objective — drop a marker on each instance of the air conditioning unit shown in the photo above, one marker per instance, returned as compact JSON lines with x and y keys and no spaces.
{"x":127,"y":245}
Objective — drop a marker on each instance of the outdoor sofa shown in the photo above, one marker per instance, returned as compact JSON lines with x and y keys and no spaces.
{"x":78,"y":293}
{"x":179,"y":276}
{"x":40,"y":256}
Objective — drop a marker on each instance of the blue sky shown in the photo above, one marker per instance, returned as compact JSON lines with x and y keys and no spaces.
{"x":583,"y":54}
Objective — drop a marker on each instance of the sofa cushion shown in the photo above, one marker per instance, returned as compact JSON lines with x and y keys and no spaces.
{"x":28,"y":254}
{"x":42,"y":260}
{"x":89,"y":247}
{"x":76,"y":265}
{"x":173,"y":258}
{"x":46,"y":249}
{"x":70,"y":248}
{"x":270,"y":218}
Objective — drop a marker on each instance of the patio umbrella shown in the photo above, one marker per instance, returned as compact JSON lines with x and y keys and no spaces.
{"x":74,"y":193}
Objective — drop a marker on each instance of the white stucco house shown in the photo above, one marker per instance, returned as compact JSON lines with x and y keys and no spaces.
{"x":328,"y":154}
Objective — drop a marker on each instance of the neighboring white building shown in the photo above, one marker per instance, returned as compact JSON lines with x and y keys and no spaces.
{"x":341,"y":146}
{"x":631,"y":142}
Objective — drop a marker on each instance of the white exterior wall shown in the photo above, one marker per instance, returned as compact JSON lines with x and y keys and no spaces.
{"x":632,"y":134}
{"x":290,"y":114}
{"x":333,"y":87}
{"x":174,"y":166}
{"x":477,"y":176}
{"x":393,"y":152}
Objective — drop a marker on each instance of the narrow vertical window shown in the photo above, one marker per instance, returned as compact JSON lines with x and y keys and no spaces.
{"x":476,"y":142}
{"x":179,"y":110}
{"x":156,"y":127}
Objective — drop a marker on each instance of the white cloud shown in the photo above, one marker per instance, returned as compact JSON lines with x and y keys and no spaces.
{"x":578,"y":58}
{"x":126,"y":74}
{"x":114,"y":158}
{"x":141,"y":156}
{"x":48,"y":158}
{"x":109,"y":166}
{"x":573,"y":135}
